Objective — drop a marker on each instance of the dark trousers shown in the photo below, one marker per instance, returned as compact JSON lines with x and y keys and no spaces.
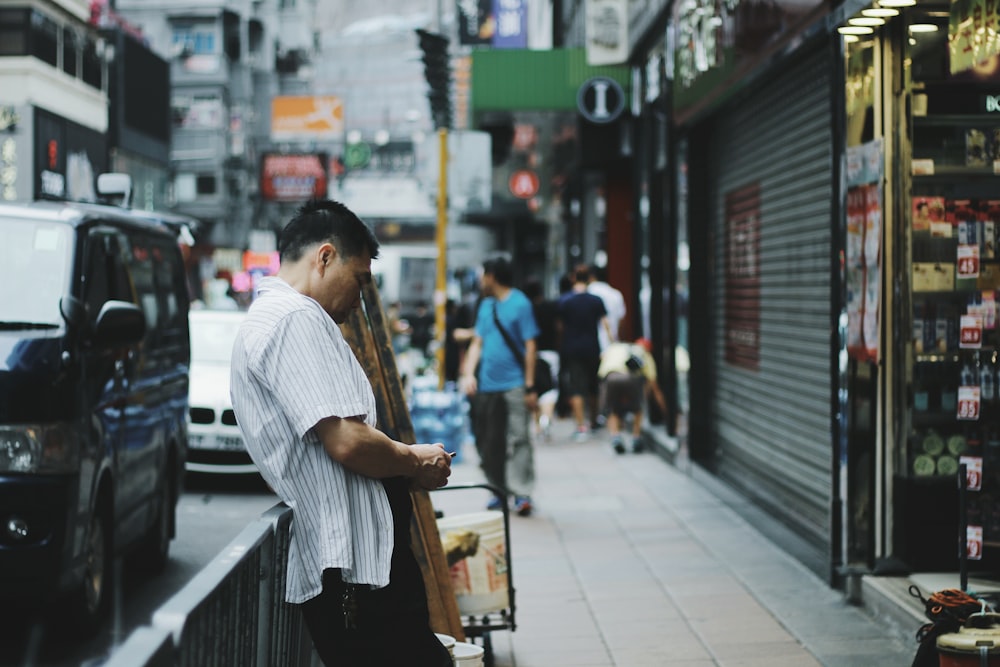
{"x":391,"y":625}
{"x":387,"y":632}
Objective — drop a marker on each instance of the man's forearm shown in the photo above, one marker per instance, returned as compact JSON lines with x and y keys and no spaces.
{"x":365,"y":450}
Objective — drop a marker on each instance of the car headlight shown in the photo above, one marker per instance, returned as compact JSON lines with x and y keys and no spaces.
{"x":38,"y":449}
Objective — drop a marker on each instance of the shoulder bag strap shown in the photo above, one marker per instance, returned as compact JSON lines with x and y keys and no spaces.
{"x":506,"y":336}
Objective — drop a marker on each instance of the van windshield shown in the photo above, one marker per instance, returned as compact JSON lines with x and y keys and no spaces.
{"x":35,"y":258}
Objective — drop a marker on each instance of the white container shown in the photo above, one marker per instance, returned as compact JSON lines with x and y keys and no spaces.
{"x":468,"y":655}
{"x":480,"y":580}
{"x":448,"y":641}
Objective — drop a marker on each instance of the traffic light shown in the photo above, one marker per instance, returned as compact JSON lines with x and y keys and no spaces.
{"x":437,"y":70}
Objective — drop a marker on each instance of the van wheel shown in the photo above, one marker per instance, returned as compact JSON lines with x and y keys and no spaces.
{"x":154,"y":553}
{"x":90,"y":603}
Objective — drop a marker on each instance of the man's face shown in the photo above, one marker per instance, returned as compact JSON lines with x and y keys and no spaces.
{"x":342,"y":282}
{"x":487,"y":284}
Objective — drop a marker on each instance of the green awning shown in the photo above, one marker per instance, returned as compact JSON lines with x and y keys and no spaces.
{"x":524,"y":80}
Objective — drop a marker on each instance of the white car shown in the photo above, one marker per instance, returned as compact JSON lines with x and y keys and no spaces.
{"x":215,"y":444}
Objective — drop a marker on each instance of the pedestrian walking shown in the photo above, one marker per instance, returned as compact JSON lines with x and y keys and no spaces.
{"x":614,"y":303}
{"x":628,"y":379}
{"x":501,"y":386}
{"x":547,"y":344}
{"x":580,"y":314}
{"x":307,"y":413}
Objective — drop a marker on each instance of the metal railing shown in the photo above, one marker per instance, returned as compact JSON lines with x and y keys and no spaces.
{"x":231,"y":613}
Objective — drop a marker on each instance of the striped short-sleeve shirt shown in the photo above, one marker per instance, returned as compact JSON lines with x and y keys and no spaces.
{"x":291,"y":368}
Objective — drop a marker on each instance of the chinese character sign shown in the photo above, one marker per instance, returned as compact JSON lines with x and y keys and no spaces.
{"x":511,"y":24}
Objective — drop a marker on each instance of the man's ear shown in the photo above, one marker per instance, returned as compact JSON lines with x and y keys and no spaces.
{"x":326,"y":254}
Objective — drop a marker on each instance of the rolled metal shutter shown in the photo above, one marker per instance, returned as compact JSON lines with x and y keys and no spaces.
{"x":772,"y":424}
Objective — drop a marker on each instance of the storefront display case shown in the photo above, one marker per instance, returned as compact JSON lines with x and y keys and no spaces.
{"x":953,"y":270}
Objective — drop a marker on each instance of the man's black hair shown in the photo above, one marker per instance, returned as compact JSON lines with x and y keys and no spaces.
{"x":325,"y":220}
{"x":500,"y":269}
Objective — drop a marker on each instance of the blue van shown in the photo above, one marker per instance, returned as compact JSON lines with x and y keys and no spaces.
{"x":94,"y":357}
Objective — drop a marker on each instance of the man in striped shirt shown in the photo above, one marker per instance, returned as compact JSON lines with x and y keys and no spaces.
{"x":308,"y":415}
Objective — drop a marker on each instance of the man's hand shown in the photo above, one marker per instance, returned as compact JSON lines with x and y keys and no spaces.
{"x":434,"y":466}
{"x":468,"y":384}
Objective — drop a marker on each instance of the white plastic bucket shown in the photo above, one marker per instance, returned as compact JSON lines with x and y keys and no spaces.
{"x":448,"y":641}
{"x":479,"y":580}
{"x":468,"y":655}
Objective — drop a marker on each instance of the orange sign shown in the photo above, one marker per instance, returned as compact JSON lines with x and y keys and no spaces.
{"x":306,"y":117}
{"x":523,"y":184}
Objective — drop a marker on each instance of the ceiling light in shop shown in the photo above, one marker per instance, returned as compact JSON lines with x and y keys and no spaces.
{"x":923,"y":27}
{"x":855,"y":30}
{"x":880,"y":12}
{"x":866,"y":20}
{"x":897,"y":3}
{"x":850,"y":38}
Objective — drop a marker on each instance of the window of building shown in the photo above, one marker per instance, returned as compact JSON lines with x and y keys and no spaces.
{"x":193,"y":39}
{"x":207,"y":184}
{"x":91,"y":64}
{"x":70,"y":52}
{"x":44,"y":39}
{"x":13,"y":32}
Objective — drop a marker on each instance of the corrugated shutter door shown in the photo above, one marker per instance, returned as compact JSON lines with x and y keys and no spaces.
{"x":772,"y":423}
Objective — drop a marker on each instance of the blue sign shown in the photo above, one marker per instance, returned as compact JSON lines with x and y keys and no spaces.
{"x":511,"y":24}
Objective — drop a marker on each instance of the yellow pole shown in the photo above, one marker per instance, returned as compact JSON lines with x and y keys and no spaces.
{"x":441,"y":284}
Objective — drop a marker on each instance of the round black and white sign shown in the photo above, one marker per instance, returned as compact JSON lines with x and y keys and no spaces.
{"x":600,"y":99}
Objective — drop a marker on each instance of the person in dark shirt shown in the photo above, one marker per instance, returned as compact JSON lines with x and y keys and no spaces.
{"x":579,"y":315}
{"x":421,"y":328}
{"x":548,"y":345}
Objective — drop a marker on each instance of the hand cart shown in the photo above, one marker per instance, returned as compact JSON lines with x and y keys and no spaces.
{"x":480,"y":624}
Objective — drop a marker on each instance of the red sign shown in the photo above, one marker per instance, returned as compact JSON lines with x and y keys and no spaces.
{"x":523,"y":184}
{"x":742,"y":282}
{"x":292,"y":177}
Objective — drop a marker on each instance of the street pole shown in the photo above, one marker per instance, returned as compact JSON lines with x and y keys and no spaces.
{"x":441,"y":284}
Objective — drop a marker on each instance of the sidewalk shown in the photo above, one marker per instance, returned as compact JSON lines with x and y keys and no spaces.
{"x":632,"y":561}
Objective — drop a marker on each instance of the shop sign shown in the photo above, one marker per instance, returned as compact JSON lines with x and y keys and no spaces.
{"x":973,"y":33}
{"x":607,"y":32}
{"x":292,"y":177}
{"x":600,"y":100}
{"x":742,"y":279}
{"x":475,"y":22}
{"x":511,"y":24}
{"x":306,"y":117}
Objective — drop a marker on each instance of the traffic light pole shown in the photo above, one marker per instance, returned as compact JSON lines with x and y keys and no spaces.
{"x":441,"y":284}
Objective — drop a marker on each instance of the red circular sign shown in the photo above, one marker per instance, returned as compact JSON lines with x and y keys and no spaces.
{"x":523,"y":184}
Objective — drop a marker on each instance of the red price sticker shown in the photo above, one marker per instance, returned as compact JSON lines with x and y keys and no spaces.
{"x":968,"y":261}
{"x":974,"y":542}
{"x":968,"y":403}
{"x":970,"y":332}
{"x":973,"y":472}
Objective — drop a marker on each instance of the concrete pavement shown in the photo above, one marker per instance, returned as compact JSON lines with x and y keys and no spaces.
{"x":629,"y":560}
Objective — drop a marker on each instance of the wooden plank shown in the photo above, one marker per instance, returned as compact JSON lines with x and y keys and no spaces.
{"x":367,"y":332}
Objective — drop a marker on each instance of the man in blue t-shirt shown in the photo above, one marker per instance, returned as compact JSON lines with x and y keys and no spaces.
{"x":579,"y":314}
{"x":498,"y":373}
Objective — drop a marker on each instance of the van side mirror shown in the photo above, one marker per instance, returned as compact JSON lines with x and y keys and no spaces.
{"x":119,"y":323}
{"x":73,"y":312}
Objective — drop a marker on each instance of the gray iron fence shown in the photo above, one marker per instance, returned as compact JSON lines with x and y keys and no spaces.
{"x":231,"y":613}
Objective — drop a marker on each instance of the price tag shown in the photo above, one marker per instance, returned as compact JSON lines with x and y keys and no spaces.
{"x":968,"y":403}
{"x":974,"y":542}
{"x":970,"y":332}
{"x":968,"y":261}
{"x":973,"y":472}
